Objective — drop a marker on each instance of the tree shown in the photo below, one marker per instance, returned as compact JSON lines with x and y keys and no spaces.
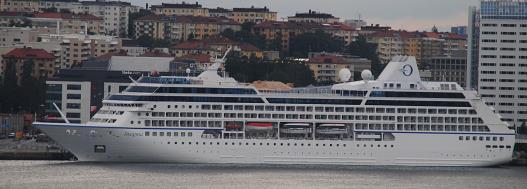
{"x":287,"y":71}
{"x":10,"y":87}
{"x":318,"y":41}
{"x":246,"y":35}
{"x":147,"y":41}
{"x":360,"y":47}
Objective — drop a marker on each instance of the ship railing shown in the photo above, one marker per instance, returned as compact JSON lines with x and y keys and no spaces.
{"x":307,"y":91}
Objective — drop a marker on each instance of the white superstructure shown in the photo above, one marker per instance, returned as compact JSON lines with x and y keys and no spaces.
{"x":394,"y":120}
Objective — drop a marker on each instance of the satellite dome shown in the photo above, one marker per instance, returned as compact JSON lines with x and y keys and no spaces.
{"x":366,"y":75}
{"x":344,"y":75}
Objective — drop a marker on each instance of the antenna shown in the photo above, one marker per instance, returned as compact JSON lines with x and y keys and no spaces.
{"x":61,"y":114}
{"x":226,"y":53}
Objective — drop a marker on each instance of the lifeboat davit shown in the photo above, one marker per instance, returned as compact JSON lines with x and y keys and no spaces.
{"x":253,"y":126}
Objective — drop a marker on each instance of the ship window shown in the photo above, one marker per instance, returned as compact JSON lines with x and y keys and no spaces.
{"x":132,"y":122}
{"x":147,"y":133}
{"x":154,"y":133}
{"x":169,"y":134}
{"x":494,"y":138}
{"x":189,"y":134}
{"x":182,"y":134}
{"x":481,"y":138}
{"x":467,"y":138}
{"x":487,"y":138}
{"x":501,"y":138}
{"x":176,"y":134}
{"x":161,"y":134}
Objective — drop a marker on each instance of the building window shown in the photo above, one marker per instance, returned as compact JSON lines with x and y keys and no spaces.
{"x":73,"y":87}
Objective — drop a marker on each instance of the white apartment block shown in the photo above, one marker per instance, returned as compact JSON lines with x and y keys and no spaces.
{"x":72,"y":97}
{"x":503,"y":58}
{"x":115,"y":13}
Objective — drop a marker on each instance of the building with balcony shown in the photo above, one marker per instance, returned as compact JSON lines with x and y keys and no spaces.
{"x":502,"y":57}
{"x":326,"y":66}
{"x":252,"y":14}
{"x":43,"y":62}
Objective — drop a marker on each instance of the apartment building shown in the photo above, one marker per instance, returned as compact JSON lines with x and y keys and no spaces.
{"x":69,"y":23}
{"x":252,"y":14}
{"x":326,"y":67}
{"x":215,"y":46}
{"x":183,"y":28}
{"x":43,"y":62}
{"x":77,"y":48}
{"x":502,"y":60}
{"x":155,"y":26}
{"x":28,"y":6}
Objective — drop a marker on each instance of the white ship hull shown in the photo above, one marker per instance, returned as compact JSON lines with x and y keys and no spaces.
{"x":129,"y":144}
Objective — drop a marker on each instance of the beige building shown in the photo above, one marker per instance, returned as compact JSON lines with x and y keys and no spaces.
{"x":43,"y":62}
{"x":151,"y":25}
{"x":69,"y":23}
{"x":283,"y":31}
{"x":78,"y":48}
{"x":183,"y":28}
{"x":11,"y":36}
{"x":215,"y":46}
{"x":9,"y":19}
{"x":326,"y":67}
{"x":21,"y":6}
{"x":255,"y":15}
{"x":180,"y":9}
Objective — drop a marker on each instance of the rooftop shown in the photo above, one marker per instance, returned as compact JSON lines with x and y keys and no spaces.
{"x":251,"y":9}
{"x":155,"y":53}
{"x":328,"y":59}
{"x":66,"y":16}
{"x":178,"y":5}
{"x":313,"y":14}
{"x":28,"y":53}
{"x":219,"y":10}
{"x":198,"y":58}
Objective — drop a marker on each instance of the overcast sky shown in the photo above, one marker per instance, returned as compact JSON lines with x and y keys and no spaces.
{"x":400,"y":14}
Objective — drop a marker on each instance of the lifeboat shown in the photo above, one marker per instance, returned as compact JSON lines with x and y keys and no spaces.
{"x":296,"y":128}
{"x":258,"y":126}
{"x":233,"y":126}
{"x":331,"y":128}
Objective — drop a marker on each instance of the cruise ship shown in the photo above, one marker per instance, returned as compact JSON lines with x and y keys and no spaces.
{"x":396,"y":119}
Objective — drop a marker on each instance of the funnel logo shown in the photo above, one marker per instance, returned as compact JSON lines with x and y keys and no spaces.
{"x":407,"y":70}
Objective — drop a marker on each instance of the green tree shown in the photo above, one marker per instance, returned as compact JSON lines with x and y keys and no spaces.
{"x":147,"y":41}
{"x":250,"y":69}
{"x":360,"y":47}
{"x":246,"y":35}
{"x":9,"y":91}
{"x":318,"y":41}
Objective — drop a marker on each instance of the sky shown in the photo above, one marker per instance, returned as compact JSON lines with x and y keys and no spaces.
{"x":399,"y":14}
